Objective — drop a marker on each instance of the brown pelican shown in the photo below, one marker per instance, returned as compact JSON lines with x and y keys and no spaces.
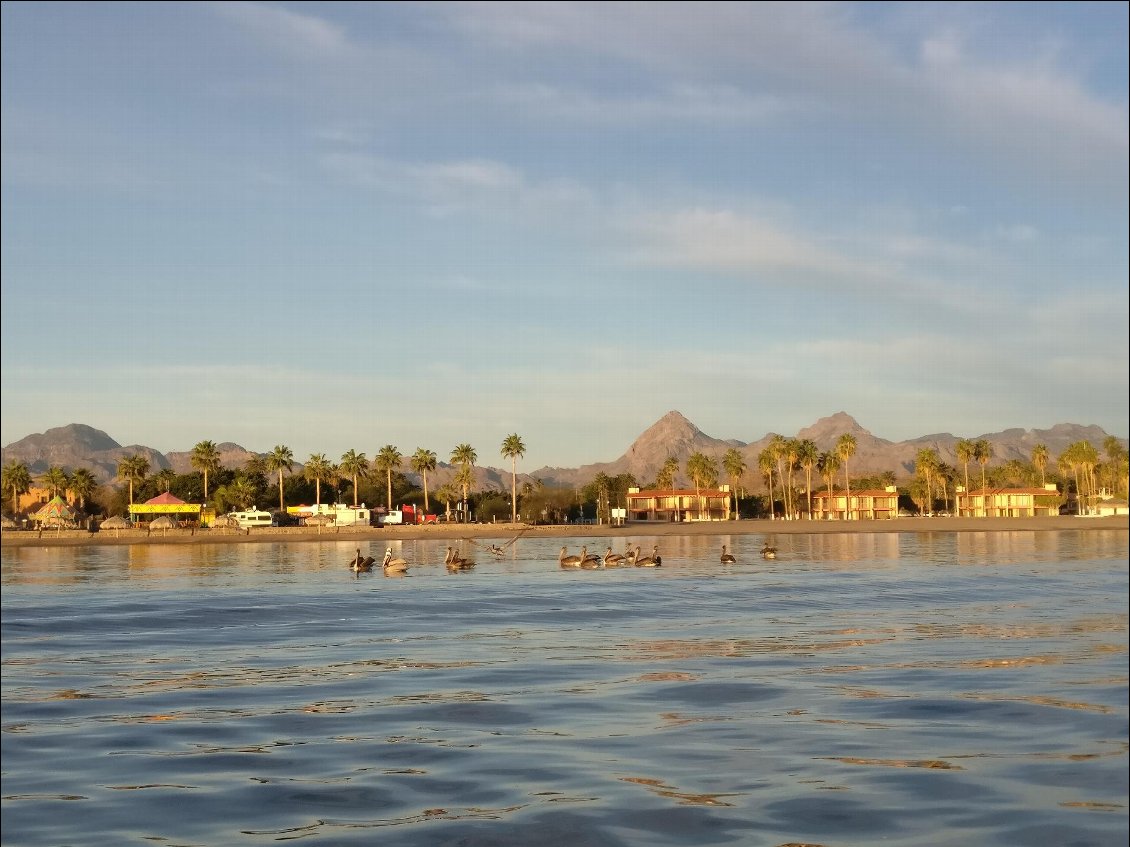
{"x":455,"y":562}
{"x":360,"y":563}
{"x":768,"y":552}
{"x":392,"y":565}
{"x":498,"y":550}
{"x":568,"y":561}
{"x":612,"y":560}
{"x":652,"y":561}
{"x":589,"y":560}
{"x":727,"y":558}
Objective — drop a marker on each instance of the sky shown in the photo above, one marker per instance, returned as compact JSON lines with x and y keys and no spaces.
{"x":337,"y":226}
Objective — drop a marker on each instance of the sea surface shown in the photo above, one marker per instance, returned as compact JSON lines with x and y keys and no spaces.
{"x":932,"y":688}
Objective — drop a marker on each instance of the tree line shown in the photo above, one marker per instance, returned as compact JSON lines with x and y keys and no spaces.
{"x":787,"y":467}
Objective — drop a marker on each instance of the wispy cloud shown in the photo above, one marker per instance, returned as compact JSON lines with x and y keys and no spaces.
{"x":289,"y":33}
{"x":717,"y":105}
{"x":772,"y":58}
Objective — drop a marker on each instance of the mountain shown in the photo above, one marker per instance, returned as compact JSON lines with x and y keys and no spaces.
{"x":80,"y":446}
{"x":674,"y":435}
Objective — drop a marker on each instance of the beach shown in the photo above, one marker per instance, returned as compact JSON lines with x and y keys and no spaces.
{"x":82,"y":538}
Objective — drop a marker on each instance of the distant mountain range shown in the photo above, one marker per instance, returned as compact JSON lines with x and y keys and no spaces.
{"x":80,"y":446}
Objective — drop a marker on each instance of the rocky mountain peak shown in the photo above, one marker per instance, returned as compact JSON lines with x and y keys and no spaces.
{"x":827,"y":431}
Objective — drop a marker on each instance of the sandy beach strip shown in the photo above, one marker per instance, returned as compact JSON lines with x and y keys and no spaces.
{"x":82,"y":538}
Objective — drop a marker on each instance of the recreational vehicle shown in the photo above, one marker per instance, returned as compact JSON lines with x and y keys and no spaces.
{"x":246,"y":520}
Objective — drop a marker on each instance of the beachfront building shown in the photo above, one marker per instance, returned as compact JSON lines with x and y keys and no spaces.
{"x":38,"y":496}
{"x":1008,"y":502}
{"x":867,"y":504}
{"x":666,"y":505}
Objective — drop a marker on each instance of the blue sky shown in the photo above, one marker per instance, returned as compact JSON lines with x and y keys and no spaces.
{"x":339,"y":226}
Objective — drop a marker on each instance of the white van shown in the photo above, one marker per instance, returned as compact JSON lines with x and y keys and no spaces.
{"x":246,"y":520}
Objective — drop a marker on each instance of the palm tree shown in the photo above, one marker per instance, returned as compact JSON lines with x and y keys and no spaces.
{"x":1115,"y":454}
{"x":465,"y":456}
{"x":318,"y":468}
{"x":165,"y":478}
{"x":83,"y":485}
{"x":206,"y":459}
{"x":845,"y":447}
{"x":704,"y":471}
{"x":829,"y":465}
{"x":388,"y":460}
{"x":666,"y":476}
{"x":16,"y":479}
{"x":1040,"y":457}
{"x":602,"y":484}
{"x":464,"y":479}
{"x":56,"y":480}
{"x":792,"y":456}
{"x":765,"y":465}
{"x":424,"y":462}
{"x":280,"y":460}
{"x":778,"y":448}
{"x":983,"y":452}
{"x":356,"y":466}
{"x":446,"y":493}
{"x":513,"y":449}
{"x":945,"y":474}
{"x":734,"y":464}
{"x":133,"y":469}
{"x":242,"y":493}
{"x":964,"y":450}
{"x":1086,"y":458}
{"x":925,"y":466}
{"x":808,"y":454}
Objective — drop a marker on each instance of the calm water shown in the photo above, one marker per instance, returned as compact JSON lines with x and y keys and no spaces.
{"x":913,"y":689}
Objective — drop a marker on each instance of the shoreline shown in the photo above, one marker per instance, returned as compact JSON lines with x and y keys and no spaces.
{"x":82,"y":538}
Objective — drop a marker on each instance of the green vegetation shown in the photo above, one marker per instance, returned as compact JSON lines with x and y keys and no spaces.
{"x":787,"y":467}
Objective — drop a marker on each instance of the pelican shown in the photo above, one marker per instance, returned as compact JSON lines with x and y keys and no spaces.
{"x":589,"y":560}
{"x":568,"y":561}
{"x":768,"y":552}
{"x":361,"y":564}
{"x":498,"y":550}
{"x":727,"y":558}
{"x":456,"y":562}
{"x":612,"y":560}
{"x":652,"y":561}
{"x":392,"y":565}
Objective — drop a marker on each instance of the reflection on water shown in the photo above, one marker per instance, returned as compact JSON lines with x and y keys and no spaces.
{"x":925,"y":688}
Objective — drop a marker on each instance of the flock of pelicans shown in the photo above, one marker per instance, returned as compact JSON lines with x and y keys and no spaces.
{"x":455,"y":563}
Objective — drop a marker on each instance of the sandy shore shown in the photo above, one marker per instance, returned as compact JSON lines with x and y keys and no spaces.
{"x":81,"y":538}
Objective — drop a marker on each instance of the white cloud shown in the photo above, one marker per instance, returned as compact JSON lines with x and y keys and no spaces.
{"x":768,"y":58}
{"x":290,"y":33}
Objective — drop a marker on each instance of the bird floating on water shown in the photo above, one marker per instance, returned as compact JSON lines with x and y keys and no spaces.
{"x":394,"y":565}
{"x":360,"y":563}
{"x":455,"y":562}
{"x":568,"y":561}
{"x":768,"y":552}
{"x":612,"y":560}
{"x":727,"y":558}
{"x":589,"y":560}
{"x":652,"y":561}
